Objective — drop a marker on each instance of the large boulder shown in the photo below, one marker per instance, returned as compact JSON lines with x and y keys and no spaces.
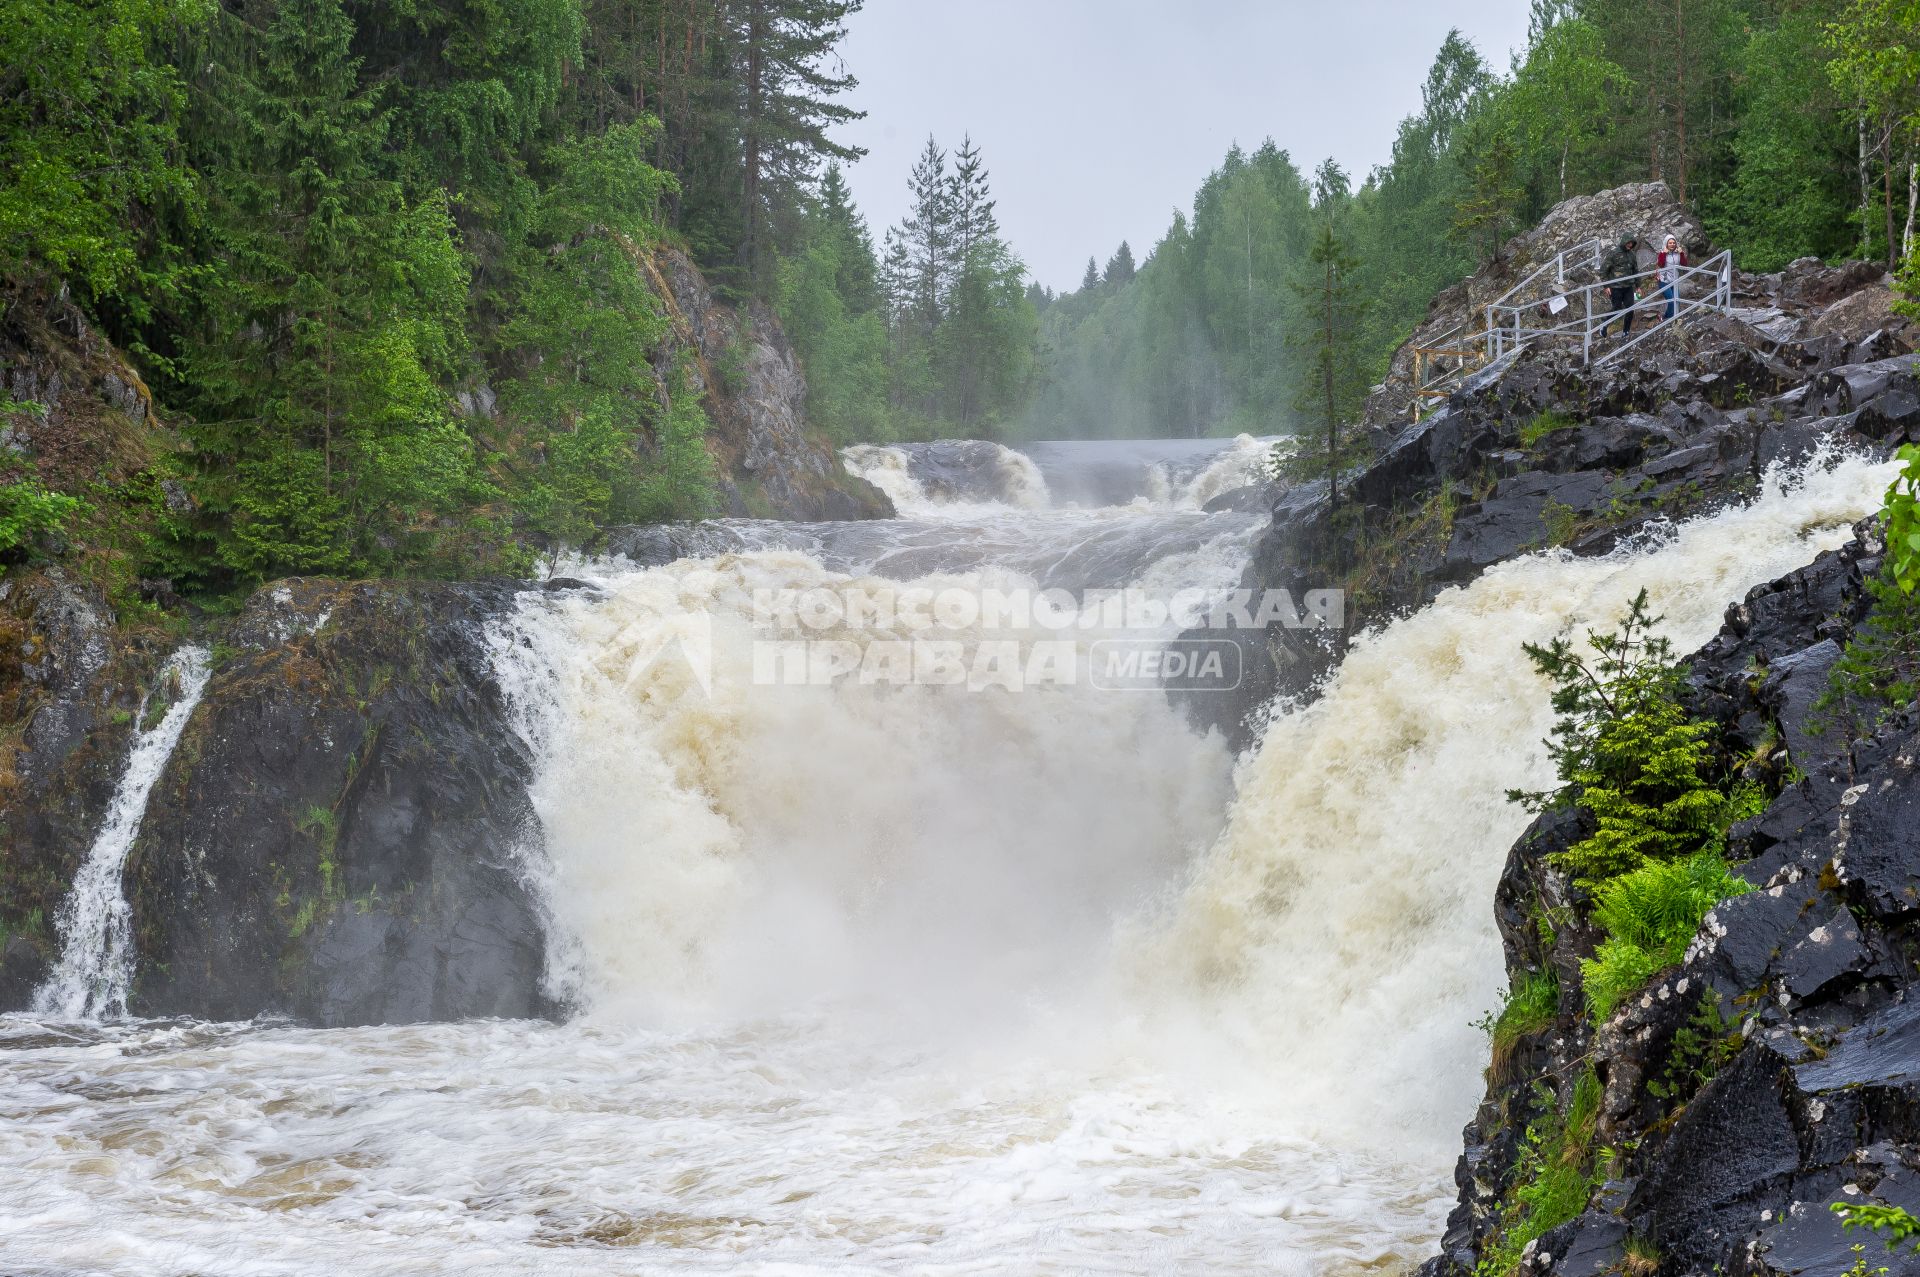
{"x":343,"y":834}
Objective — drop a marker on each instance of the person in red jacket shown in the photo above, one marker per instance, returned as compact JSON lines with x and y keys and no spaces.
{"x":1671,"y":259}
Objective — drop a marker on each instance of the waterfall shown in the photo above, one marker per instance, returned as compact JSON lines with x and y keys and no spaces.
{"x":916,"y":978}
{"x":1339,"y":934}
{"x":950,"y":476}
{"x":95,"y":924}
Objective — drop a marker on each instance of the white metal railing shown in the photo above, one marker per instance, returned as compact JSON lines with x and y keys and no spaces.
{"x":1513,"y":323}
{"x":1587,"y":254}
{"x":1441,"y":363}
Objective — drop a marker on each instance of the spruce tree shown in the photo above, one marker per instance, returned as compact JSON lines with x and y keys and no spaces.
{"x":335,"y":309}
{"x":1120,"y":269}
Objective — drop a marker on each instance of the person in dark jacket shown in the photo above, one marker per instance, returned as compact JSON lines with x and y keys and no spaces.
{"x":1618,"y":268}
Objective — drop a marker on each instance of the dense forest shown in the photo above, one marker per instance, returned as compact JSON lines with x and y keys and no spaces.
{"x":384,"y":263}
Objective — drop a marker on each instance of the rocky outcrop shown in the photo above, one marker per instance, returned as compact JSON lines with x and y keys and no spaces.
{"x":342,"y":835}
{"x":1777,"y":1070}
{"x":1539,"y":449}
{"x":773,"y":464}
{"x":1645,"y":210}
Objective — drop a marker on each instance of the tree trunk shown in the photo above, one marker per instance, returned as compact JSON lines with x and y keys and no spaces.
{"x":1866,"y":184}
{"x":1680,"y":97}
{"x":1913,"y":200}
{"x":1326,"y":373}
{"x":1886,"y":182}
{"x":750,"y":138}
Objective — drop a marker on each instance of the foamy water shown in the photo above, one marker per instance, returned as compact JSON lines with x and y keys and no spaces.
{"x":911,"y":980}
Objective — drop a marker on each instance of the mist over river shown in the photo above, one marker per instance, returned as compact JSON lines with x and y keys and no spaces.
{"x":906,"y":979}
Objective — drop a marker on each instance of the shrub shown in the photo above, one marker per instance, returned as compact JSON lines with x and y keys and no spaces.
{"x":28,"y":509}
{"x":1650,"y":916}
{"x":1880,"y":670}
{"x":1625,"y":749}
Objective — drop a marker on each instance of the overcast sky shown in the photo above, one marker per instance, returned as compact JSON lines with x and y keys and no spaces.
{"x":1097,"y":118}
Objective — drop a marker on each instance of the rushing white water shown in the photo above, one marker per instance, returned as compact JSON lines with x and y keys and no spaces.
{"x":911,"y":980}
{"x":977,"y":477}
{"x":95,"y":924}
{"x":969,"y":478}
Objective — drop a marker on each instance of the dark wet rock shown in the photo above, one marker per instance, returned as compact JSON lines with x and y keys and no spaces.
{"x":1829,"y":952}
{"x":343,"y":834}
{"x":1252,"y":498}
{"x":23,"y":969}
{"x":1883,"y":1053}
{"x":1728,"y":1159}
{"x":1795,"y":686}
{"x":1594,"y":1245}
{"x":1807,"y":982}
{"x":1745,"y":935}
{"x":69,"y":688}
{"x":1521,"y":516}
{"x":1807,"y":1239}
{"x":1876,"y":849}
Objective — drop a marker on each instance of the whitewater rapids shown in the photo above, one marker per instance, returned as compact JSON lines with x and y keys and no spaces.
{"x":915,"y":980}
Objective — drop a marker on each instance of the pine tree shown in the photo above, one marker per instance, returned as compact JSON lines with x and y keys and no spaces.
{"x":1090,"y":282}
{"x":787,"y":79}
{"x":974,"y":223}
{"x":88,"y":143}
{"x":857,"y":276}
{"x":1120,"y":269}
{"x":926,"y":239}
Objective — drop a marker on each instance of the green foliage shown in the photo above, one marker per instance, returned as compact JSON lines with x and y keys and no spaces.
{"x":583,"y":332}
{"x":1623,"y":745}
{"x":28,"y":510}
{"x":1650,"y":915}
{"x":1625,"y":750}
{"x":1332,"y":387}
{"x":1529,"y":1006}
{"x":1902,"y":515}
{"x":1879,"y":672}
{"x":89,"y":110}
{"x":1706,"y":1041}
{"x":1543,"y":424}
{"x":1554,"y":1178}
{"x":1788,"y":196}
{"x":1899,"y":1225}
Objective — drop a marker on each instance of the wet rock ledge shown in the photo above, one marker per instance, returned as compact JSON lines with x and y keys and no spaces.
{"x":338,"y":835}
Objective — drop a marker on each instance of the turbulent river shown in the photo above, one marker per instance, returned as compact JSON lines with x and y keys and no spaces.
{"x":907,"y":979}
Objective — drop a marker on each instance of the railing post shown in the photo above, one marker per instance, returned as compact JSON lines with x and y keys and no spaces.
{"x":1586,"y":329}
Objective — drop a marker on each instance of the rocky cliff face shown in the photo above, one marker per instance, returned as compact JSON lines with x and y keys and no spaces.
{"x":342,"y":835}
{"x":1777,"y":1070}
{"x":773,"y":463}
